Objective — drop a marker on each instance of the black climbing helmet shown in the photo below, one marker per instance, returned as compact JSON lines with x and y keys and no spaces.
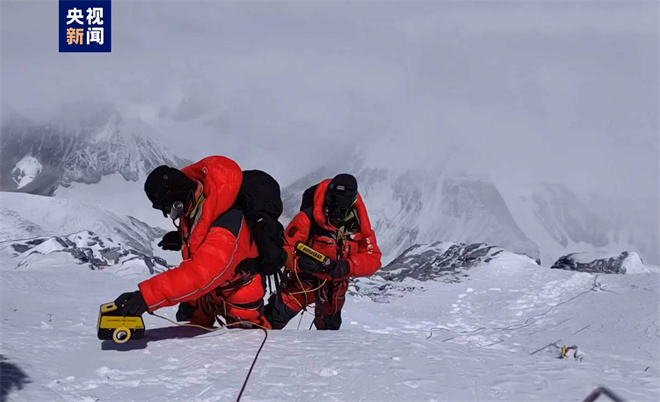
{"x":166,"y":185}
{"x":342,"y":191}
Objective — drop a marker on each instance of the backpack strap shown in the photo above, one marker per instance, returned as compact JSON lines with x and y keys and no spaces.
{"x":314,"y":228}
{"x":231,"y":220}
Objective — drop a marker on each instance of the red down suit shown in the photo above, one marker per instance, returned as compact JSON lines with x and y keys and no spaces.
{"x":215,"y":240}
{"x":355,"y":242}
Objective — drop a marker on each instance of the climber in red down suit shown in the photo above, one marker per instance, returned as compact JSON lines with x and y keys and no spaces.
{"x":333,"y":221}
{"x":213,"y":238}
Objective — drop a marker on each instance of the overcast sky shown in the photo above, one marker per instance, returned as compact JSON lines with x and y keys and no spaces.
{"x":561,"y":91}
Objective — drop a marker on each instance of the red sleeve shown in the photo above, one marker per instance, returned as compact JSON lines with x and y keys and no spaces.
{"x":367,"y":260}
{"x":297,"y":230}
{"x":211,"y":266}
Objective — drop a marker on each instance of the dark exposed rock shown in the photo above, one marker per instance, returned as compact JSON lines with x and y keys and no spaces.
{"x":88,"y":248}
{"x":599,"y":263}
{"x":441,"y":262}
{"x":444,"y":261}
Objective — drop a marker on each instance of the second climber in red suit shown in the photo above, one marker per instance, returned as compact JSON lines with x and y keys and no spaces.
{"x":336,"y":225}
{"x":213,"y":237}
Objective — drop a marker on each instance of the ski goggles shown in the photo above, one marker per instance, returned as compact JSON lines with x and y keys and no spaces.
{"x":342,"y":197}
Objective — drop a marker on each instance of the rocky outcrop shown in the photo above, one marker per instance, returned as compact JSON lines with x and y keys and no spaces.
{"x":89,"y":249}
{"x":28,"y":216}
{"x":603,"y":263}
{"x":445,"y":261}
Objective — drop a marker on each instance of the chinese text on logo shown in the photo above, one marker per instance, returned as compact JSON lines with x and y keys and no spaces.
{"x":85,"y":26}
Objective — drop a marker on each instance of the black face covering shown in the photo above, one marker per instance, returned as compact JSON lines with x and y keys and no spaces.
{"x":167,"y":187}
{"x":340,"y":197}
{"x":338,"y":216}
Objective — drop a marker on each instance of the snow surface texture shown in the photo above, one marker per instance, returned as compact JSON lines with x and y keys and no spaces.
{"x":87,"y":248}
{"x":25,"y":216}
{"x":494,"y":336}
{"x":26,"y":170}
{"x":111,"y":143}
{"x":606,"y":263}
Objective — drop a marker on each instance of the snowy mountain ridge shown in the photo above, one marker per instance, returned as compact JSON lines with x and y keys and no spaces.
{"x":562,"y":221}
{"x":426,"y":206}
{"x":87,"y":248}
{"x":447,"y":261}
{"x":544,"y":221}
{"x":407,"y":204}
{"x":84,"y":154}
{"x":26,"y":216}
{"x":451,"y":262}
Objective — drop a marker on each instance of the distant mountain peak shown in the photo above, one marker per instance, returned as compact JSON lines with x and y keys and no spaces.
{"x":424,"y":206}
{"x":114,"y":144}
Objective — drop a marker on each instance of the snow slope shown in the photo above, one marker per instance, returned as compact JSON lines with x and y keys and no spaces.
{"x":85,"y":248}
{"x":487,"y":338}
{"x":118,"y":195}
{"x":27,"y":216}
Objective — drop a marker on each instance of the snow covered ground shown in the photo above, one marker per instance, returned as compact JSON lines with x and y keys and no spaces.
{"x":115,"y":194}
{"x":26,"y":216}
{"x":481,"y":339}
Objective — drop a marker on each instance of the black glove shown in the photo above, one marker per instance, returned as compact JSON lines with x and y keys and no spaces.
{"x":131,"y":303}
{"x":310,"y":265}
{"x":249,"y":265}
{"x":336,"y":269}
{"x":171,"y":241}
{"x":340,"y":269}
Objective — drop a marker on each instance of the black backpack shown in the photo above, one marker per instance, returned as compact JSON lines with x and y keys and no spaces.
{"x":308,"y":198}
{"x":260,"y":201}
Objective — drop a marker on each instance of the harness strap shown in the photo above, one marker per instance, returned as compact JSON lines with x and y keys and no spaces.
{"x":199,"y":202}
{"x":234,"y":285}
{"x":255,"y":305}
